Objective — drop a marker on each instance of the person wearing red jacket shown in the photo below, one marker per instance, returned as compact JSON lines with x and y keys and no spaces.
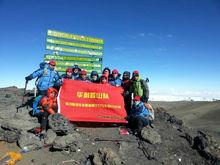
{"x":49,"y":106}
{"x":104,"y":79}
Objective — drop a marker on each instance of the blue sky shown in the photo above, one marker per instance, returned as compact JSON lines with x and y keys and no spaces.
{"x":176,"y":43}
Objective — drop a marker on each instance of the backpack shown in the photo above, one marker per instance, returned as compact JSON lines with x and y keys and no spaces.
{"x":44,"y":66}
{"x":35,"y":109}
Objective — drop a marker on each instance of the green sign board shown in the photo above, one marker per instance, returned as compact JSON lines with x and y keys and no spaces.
{"x":76,"y":51}
{"x":89,"y":70}
{"x":71,"y":58}
{"x":84,"y":51}
{"x":54,"y":33}
{"x":73,"y":44}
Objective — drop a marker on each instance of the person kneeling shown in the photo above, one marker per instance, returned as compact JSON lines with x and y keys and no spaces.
{"x":140,"y":116}
{"x":49,"y":106}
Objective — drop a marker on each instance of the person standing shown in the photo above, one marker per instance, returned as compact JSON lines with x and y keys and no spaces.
{"x":94,"y":77}
{"x":126,"y":83}
{"x":47,"y":77}
{"x":114,"y":79}
{"x":104,"y":79}
{"x":76,"y":71}
{"x":83,"y":76}
{"x":139,"y":87}
{"x":106,"y":71}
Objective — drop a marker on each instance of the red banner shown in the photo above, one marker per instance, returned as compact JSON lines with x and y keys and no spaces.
{"x":90,"y":102}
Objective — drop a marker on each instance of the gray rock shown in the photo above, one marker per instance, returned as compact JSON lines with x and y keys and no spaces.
{"x":7,"y":95}
{"x":69,"y":141}
{"x":106,"y":156}
{"x":18,"y":124}
{"x":11,"y":136}
{"x":2,"y":134}
{"x":29,"y":141}
{"x":49,"y":137}
{"x":59,"y":124}
{"x":172,"y":119}
{"x":150,"y":135}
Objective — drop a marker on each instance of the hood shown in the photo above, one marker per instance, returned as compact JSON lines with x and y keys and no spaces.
{"x":51,"y":90}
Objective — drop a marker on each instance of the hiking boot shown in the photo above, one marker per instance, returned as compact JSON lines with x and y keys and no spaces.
{"x":42,"y":134}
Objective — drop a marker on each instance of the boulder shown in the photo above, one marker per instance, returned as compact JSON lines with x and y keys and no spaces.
{"x":151,"y":136}
{"x":29,"y":141}
{"x":18,"y":124}
{"x":49,"y":137}
{"x":70,"y":141}
{"x":172,"y":119}
{"x":106,"y":156}
{"x":11,"y":136}
{"x":59,"y":124}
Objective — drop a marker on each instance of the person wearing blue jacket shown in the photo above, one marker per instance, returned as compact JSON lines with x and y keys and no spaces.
{"x":83,"y":76}
{"x":47,"y":77}
{"x":76,"y":71}
{"x":94,"y":77}
{"x":114,"y":79}
{"x":139,"y":117}
{"x":67,"y":75}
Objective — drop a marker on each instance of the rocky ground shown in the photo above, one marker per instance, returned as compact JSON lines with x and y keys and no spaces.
{"x":169,"y":142}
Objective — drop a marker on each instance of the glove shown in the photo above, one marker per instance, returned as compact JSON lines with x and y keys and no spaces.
{"x":28,"y":78}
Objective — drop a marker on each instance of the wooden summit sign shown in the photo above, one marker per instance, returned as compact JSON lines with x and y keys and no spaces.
{"x":69,"y":49}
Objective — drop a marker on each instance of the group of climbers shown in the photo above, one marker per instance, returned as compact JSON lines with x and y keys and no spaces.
{"x":136,"y":92}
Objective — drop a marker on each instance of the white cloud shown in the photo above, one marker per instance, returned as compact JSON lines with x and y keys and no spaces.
{"x":138,"y":35}
{"x":169,"y":36}
{"x":176,"y":95}
{"x":151,"y":34}
{"x":119,"y":48}
{"x":162,"y":49}
{"x":141,"y":34}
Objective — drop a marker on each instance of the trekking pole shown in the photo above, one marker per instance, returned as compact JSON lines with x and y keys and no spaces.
{"x":132,"y":97}
{"x":26,"y":82}
{"x":35,"y":92}
{"x":22,"y":104}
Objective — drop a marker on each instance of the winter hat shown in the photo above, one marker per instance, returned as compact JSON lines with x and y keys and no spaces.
{"x":115,"y":71}
{"x":52,"y":62}
{"x":94,"y":72}
{"x":137,"y":98}
{"x":83,"y":72}
{"x":69,"y":70}
{"x":76,"y":67}
{"x":135,"y":73}
{"x":127,"y":73}
{"x":106,"y":68}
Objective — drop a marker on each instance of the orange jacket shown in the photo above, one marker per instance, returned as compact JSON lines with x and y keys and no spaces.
{"x":49,"y":103}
